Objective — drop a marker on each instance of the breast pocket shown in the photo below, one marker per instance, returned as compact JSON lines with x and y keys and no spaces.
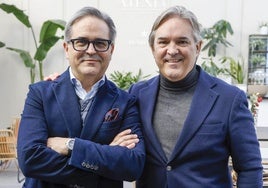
{"x":215,"y":128}
{"x":209,"y":136}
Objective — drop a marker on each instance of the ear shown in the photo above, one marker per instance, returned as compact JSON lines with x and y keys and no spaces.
{"x":198,"y":47}
{"x":112,"y":48}
{"x":66,"y":49}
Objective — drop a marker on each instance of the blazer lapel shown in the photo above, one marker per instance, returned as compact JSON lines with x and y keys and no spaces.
{"x":68,"y":103}
{"x":147,"y":104}
{"x":204,"y":98}
{"x":102,"y":103}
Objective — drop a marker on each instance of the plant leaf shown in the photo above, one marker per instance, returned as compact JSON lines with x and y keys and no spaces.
{"x":49,"y":29}
{"x":216,"y":35}
{"x":2,"y":44}
{"x":44,"y":47}
{"x":125,"y":79}
{"x":25,"y":56}
{"x":23,"y":18}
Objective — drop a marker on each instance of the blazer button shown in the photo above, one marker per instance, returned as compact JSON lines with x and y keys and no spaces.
{"x":88,"y":165}
{"x":169,"y":168}
{"x":83,"y":164}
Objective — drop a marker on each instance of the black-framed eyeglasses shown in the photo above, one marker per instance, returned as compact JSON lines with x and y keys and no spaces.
{"x":100,"y":45}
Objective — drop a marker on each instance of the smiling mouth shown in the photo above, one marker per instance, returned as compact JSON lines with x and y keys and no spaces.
{"x":173,"y":60}
{"x":90,"y":61}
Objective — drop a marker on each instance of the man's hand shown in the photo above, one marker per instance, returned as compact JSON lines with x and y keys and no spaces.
{"x":52,"y":77}
{"x":58,"y":144}
{"x":125,"y":139}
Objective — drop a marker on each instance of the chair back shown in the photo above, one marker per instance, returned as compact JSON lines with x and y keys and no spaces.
{"x":15,"y":126}
{"x":7,"y":145}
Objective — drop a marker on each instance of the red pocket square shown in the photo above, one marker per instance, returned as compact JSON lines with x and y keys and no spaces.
{"x":111,"y":114}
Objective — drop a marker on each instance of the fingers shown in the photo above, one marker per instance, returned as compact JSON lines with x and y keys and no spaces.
{"x":130,"y":143}
{"x":52,"y":76}
{"x":123,"y":133}
{"x":125,"y":139}
{"x":119,"y":136}
{"x":131,"y":146}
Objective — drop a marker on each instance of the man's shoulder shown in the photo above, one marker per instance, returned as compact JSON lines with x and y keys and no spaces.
{"x":146,"y":83}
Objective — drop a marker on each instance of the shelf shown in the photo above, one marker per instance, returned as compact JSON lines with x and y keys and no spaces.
{"x":258,"y":63}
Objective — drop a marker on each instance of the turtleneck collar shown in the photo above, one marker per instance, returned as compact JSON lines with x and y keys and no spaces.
{"x":186,"y":83}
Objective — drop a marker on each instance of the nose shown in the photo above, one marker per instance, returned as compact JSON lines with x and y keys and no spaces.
{"x":172,"y":49}
{"x":91,"y":49}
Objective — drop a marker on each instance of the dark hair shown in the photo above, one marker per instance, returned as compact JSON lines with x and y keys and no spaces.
{"x":181,"y":12}
{"x":90,"y":11}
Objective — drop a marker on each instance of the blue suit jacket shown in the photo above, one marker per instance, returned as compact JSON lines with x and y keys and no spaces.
{"x":52,"y":110}
{"x":218,"y":124}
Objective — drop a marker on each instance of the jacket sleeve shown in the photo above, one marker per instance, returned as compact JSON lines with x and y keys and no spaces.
{"x":244,"y":145}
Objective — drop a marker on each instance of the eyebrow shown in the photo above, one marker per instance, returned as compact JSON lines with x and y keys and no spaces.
{"x":84,"y":38}
{"x":178,"y":38}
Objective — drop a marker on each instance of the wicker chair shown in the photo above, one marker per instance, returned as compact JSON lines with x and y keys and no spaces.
{"x":8,"y":151}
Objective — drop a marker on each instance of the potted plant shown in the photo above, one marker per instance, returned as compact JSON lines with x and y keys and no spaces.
{"x":211,"y":67}
{"x":257,"y":44}
{"x":263,"y":28}
{"x":213,"y":37}
{"x":48,"y":37}
{"x":257,"y":60}
{"x":235,"y":69}
{"x":125,"y":79}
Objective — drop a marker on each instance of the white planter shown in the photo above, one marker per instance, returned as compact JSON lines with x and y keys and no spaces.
{"x":264,"y":30}
{"x":243,"y":87}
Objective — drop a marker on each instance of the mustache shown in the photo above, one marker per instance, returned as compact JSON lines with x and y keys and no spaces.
{"x":91,"y":57}
{"x":175,"y":58}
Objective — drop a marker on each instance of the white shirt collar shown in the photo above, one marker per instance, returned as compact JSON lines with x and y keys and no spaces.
{"x":80,"y":91}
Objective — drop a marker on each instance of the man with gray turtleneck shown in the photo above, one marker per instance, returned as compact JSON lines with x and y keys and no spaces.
{"x":192,"y":122}
{"x":171,"y":96}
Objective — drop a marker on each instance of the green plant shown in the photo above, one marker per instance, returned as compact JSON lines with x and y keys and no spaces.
{"x":213,"y":37}
{"x":235,"y":70}
{"x":216,"y":35}
{"x":125,"y":79}
{"x":47,"y":38}
{"x":257,"y":59}
{"x":2,"y":44}
{"x":258,"y":44}
{"x":211,"y":67}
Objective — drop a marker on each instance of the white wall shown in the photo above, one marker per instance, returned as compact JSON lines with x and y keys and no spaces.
{"x":133,"y":19}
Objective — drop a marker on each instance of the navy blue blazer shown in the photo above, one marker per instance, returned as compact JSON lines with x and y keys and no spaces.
{"x":219,"y":124}
{"x":52,"y":110}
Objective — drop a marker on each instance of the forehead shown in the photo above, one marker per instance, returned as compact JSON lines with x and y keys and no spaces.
{"x":174,"y":27}
{"x":90,"y":27}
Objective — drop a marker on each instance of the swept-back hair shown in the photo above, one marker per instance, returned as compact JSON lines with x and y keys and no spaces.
{"x":181,"y":12}
{"x":90,"y":11}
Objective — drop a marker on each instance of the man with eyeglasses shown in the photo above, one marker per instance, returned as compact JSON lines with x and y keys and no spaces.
{"x":67,"y":136}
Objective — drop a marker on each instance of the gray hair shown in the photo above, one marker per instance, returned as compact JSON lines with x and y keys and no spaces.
{"x":181,"y":12}
{"x":90,"y":11}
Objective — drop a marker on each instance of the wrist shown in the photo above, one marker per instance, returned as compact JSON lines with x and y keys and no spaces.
{"x":70,"y":145}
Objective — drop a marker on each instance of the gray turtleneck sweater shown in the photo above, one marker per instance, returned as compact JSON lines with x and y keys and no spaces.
{"x":172,"y":106}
